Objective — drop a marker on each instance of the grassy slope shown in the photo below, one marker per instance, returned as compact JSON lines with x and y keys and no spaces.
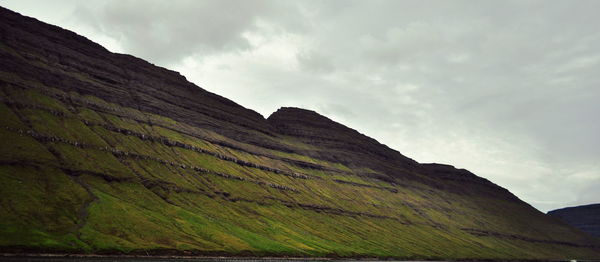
{"x":55,"y":195}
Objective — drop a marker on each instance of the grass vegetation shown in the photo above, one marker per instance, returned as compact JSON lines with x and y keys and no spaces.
{"x":56,"y":196}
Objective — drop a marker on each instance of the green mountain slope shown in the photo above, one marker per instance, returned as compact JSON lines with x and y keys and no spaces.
{"x":105,"y":153}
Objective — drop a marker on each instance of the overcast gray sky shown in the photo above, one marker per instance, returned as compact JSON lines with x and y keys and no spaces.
{"x":507,"y":89}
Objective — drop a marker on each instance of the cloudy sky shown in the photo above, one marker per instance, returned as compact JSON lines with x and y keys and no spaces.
{"x":507,"y":89}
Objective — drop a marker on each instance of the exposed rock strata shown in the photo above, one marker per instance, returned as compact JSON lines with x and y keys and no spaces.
{"x":342,"y":144}
{"x":122,"y":154}
{"x":295,"y":183}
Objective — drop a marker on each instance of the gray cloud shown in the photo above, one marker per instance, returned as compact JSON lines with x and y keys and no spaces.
{"x":506,"y":89}
{"x":166,"y":32}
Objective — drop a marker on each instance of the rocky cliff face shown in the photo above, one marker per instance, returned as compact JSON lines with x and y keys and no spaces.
{"x":586,"y":218}
{"x":105,"y":152}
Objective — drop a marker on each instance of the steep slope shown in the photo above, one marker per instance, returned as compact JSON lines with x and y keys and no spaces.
{"x":104,"y":152}
{"x":586,"y":218}
{"x":337,"y":143}
{"x":57,"y":57}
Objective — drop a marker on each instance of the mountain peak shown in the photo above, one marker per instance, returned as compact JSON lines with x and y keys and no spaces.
{"x":291,"y":109}
{"x":337,"y":142}
{"x":289,"y":115}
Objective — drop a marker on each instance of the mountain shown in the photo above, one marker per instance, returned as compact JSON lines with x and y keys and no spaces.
{"x":106,"y":153}
{"x":586,"y":218}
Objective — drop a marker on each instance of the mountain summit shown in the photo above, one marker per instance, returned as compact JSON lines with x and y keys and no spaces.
{"x":106,"y":153}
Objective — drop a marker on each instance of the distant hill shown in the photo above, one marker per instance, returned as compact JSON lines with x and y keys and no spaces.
{"x":105,"y":153}
{"x":586,"y":218}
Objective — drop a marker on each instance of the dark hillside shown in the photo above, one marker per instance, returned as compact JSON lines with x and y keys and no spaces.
{"x":106,"y":153}
{"x":586,"y":218}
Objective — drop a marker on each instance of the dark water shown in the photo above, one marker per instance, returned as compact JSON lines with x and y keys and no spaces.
{"x":142,"y":259}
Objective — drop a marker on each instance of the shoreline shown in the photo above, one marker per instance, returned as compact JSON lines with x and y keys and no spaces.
{"x":67,"y":255}
{"x":243,"y":258}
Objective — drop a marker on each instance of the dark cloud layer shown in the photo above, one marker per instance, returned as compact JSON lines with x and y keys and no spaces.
{"x":507,"y":89}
